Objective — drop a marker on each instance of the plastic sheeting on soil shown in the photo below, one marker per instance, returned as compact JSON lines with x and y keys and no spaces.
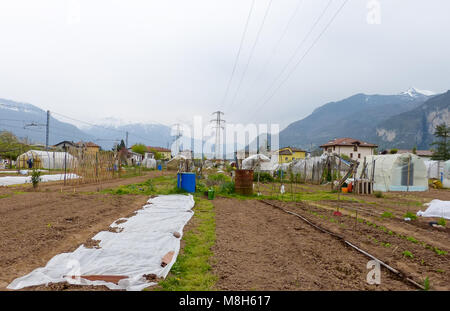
{"x":45,"y":159}
{"x":17,"y":180}
{"x":436,"y":208}
{"x":136,"y":250}
{"x":392,"y":174}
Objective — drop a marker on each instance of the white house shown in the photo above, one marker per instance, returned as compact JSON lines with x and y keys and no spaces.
{"x":353,"y":148}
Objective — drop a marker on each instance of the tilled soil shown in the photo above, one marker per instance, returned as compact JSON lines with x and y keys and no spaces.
{"x":35,"y":226}
{"x":388,"y":240}
{"x":259,"y":247}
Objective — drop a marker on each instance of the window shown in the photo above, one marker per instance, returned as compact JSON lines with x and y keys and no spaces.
{"x":286,"y":158}
{"x":351,"y":155}
{"x":359,"y":155}
{"x":334,"y":148}
{"x":329,"y":149}
{"x":355,"y":148}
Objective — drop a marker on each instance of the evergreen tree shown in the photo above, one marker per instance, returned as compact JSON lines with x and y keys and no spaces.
{"x":442,"y":150}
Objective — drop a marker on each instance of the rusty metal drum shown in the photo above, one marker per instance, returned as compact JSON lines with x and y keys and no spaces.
{"x":244,"y":182}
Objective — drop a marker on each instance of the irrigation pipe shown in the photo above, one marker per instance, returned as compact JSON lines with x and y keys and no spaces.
{"x":342,"y":239}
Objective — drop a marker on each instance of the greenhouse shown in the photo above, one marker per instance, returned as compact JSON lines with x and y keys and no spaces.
{"x":396,"y":172}
{"x":446,"y":177}
{"x":45,"y":159}
{"x":435,"y":169}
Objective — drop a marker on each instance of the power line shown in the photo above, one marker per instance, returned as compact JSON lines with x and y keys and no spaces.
{"x":274,"y":50}
{"x":251,"y":53}
{"x":302,"y":58}
{"x":238,"y":53}
{"x":297,"y":50}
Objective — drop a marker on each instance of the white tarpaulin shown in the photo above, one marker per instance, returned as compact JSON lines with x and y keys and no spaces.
{"x":133,"y":252}
{"x":16,"y":180}
{"x":436,"y":208}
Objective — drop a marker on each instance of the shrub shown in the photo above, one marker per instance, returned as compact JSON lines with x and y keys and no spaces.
{"x":410,"y":215}
{"x":378,"y":194}
{"x":227,"y":188}
{"x":35,"y":178}
{"x":442,"y":222}
{"x":263,"y":177}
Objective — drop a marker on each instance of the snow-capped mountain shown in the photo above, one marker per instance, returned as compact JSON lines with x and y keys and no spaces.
{"x":414,"y":92}
{"x":356,"y":116}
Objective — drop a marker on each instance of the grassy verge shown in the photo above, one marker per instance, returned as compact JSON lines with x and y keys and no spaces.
{"x":192,"y":270}
{"x":152,"y":186}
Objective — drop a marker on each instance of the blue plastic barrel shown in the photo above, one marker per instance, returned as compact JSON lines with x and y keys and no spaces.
{"x":159,"y":167}
{"x":186,"y":181}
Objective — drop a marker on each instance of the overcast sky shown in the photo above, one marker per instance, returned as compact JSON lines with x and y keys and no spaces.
{"x":169,"y":60}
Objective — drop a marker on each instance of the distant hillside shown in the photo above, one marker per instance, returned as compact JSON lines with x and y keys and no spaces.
{"x":16,"y":117}
{"x":357,"y":116}
{"x":414,"y":127}
{"x":149,"y":134}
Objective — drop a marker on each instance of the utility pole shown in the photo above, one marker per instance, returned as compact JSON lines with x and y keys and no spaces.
{"x":126,"y":140}
{"x":47,"y":129}
{"x":218,"y":126}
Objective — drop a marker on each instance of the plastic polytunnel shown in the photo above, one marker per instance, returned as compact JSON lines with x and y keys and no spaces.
{"x":434,"y":168}
{"x":260,"y":162}
{"x":396,"y":172}
{"x":309,"y":168}
{"x":46,"y":159}
{"x":446,"y":177}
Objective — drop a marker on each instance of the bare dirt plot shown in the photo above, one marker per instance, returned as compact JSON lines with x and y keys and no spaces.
{"x":35,"y":226}
{"x":387,"y":241}
{"x":262,"y":248}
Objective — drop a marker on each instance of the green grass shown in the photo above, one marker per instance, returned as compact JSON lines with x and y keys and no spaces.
{"x":192,"y":270}
{"x":386,"y":215}
{"x":152,"y":186}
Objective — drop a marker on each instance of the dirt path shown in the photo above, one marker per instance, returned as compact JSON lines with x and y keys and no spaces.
{"x":35,"y":226}
{"x":262,"y":248}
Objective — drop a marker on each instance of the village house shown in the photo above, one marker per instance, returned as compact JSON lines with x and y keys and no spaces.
{"x":353,"y":148}
{"x":166,"y":154}
{"x":289,"y":154}
{"x":89,"y":147}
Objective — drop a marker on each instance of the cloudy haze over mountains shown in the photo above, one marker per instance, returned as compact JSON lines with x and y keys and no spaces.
{"x":170,"y":60}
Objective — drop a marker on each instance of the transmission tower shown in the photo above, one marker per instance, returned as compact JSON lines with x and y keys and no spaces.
{"x":219,"y":125}
{"x":178,"y":135}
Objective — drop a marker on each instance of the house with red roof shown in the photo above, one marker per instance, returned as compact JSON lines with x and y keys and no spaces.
{"x":353,"y":148}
